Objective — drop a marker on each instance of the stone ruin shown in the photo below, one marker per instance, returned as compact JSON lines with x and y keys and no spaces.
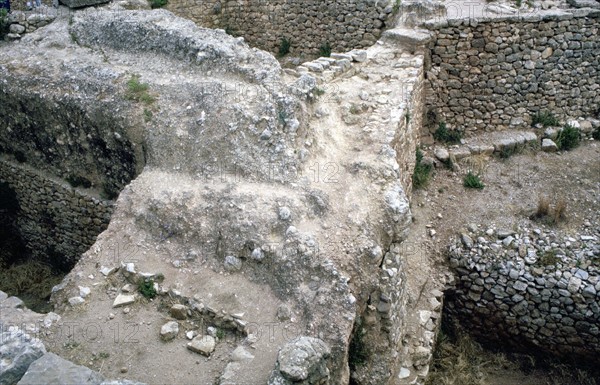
{"x":148,"y":152}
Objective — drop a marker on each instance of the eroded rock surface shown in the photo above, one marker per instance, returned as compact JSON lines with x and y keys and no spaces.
{"x":18,"y":351}
{"x":253,"y":195}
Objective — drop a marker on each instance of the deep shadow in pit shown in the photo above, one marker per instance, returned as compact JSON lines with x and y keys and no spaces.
{"x":461,"y":358}
{"x":63,"y":163}
{"x":20,"y":274}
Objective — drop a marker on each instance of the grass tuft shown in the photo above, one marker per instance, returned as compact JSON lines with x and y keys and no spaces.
{"x":158,"y":3}
{"x":422,"y":172}
{"x":443,"y":134}
{"x":284,"y":47}
{"x":560,"y":210}
{"x":543,"y":207}
{"x":568,"y":138}
{"x":138,"y":92}
{"x":473,"y":181}
{"x":325,"y":50}
{"x":146,"y":288}
{"x":3,"y":21}
{"x":545,"y":118}
{"x":32,"y":281}
{"x":458,"y":360}
{"x":549,"y":258}
{"x":548,"y":215}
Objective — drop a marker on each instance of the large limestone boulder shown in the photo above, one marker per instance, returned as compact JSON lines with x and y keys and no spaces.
{"x":53,"y":370}
{"x":302,"y":361}
{"x":18,"y":350}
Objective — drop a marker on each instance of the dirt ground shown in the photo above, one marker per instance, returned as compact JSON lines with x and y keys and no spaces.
{"x":512,"y":189}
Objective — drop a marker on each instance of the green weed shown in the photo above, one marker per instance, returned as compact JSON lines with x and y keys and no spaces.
{"x":473,"y":181}
{"x":325,"y":50}
{"x":146,"y":288}
{"x":544,"y":118}
{"x":422,"y":172}
{"x":568,"y":138}
{"x":443,"y":134}
{"x":284,"y":47}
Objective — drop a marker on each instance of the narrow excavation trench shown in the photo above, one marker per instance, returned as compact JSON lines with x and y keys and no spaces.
{"x":21,"y":274}
{"x":462,"y":359}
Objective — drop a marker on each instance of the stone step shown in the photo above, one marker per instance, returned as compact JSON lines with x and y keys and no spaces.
{"x":409,"y":39}
{"x":488,"y":144}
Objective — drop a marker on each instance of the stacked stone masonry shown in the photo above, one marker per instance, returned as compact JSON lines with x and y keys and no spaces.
{"x":494,"y":74}
{"x":307,"y":25}
{"x":536,"y":289}
{"x":58,"y":223}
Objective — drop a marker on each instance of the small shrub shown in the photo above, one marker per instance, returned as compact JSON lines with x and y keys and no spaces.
{"x":220,"y":334}
{"x":3,"y":21}
{"x":451,"y":163}
{"x":158,"y":3}
{"x":544,"y":118}
{"x":146,"y":288}
{"x":507,"y":152}
{"x":230,"y":31}
{"x":148,"y":115}
{"x":284,"y":47}
{"x":318,"y":91}
{"x":596,"y":134}
{"x":568,"y":138}
{"x":396,"y":7}
{"x":138,"y":92}
{"x":472,"y":181}
{"x":422,"y":172}
{"x":325,"y":50}
{"x":135,"y":87}
{"x":443,"y":134}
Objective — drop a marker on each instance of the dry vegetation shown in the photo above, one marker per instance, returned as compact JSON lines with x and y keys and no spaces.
{"x":548,"y":213}
{"x":460,"y":360}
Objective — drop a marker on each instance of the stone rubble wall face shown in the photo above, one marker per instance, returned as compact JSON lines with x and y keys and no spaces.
{"x":307,"y":24}
{"x":55,"y":220}
{"x":550,"y":309}
{"x":495,"y":74}
{"x":408,"y":132}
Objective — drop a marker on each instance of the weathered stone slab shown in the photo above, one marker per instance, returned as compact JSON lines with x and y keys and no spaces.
{"x":407,"y":38}
{"x":18,"y":350}
{"x":82,"y":3}
{"x":50,"y":369}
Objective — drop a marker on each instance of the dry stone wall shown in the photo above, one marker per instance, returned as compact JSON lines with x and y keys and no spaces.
{"x":306,"y":24}
{"x":57,"y":222}
{"x":493,"y":74}
{"x":537,"y":289}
